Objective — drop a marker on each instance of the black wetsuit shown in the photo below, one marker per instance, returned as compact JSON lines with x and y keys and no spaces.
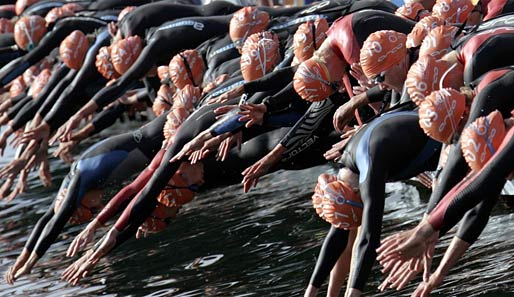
{"x":67,"y":94}
{"x":51,"y":41}
{"x":494,"y":90}
{"x":108,"y":162}
{"x":390,"y":148}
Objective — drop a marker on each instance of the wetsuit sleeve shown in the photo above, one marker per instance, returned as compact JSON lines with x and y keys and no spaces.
{"x":476,"y":187}
{"x":29,"y":111}
{"x":49,"y":103}
{"x":129,"y":191}
{"x":107,"y":117}
{"x":304,"y":129}
{"x":372,"y":191}
{"x":274,"y":80}
{"x":54,"y":226}
{"x":333,"y":246}
{"x":476,"y":220}
{"x":281,"y":100}
{"x":375,"y":94}
{"x":51,"y":41}
{"x":13,"y":111}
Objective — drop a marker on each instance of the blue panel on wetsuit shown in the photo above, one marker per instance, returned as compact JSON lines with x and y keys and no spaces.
{"x":362,"y":150}
{"x":95,"y":170}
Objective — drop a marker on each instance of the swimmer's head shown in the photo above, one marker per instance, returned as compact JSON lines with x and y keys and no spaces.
{"x":421,"y":30}
{"x":174,"y":120}
{"x":245,"y":22}
{"x":91,"y":202}
{"x":159,"y":219}
{"x":438,"y":41}
{"x":187,"y":98}
{"x":125,"y":11}
{"x":338,"y":201}
{"x":441,"y":114}
{"x":73,"y":49}
{"x":453,"y":11}
{"x":39,"y":83}
{"x":186,"y":68}
{"x":309,"y":37}
{"x":413,"y":11}
{"x":125,"y":52}
{"x":28,"y":31}
{"x":104,"y":64}
{"x":163,"y":100}
{"x":384,"y":58}
{"x":17,"y":87}
{"x":259,"y":55}
{"x":21,"y":5}
{"x":313,"y":82}
{"x":6,"y":26}
{"x":481,"y":139}
{"x":425,"y":76}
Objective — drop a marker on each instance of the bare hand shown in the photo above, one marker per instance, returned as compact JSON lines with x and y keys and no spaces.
{"x":80,"y":242}
{"x":108,"y":242}
{"x":356,"y":71}
{"x":227,"y":144}
{"x":343,"y":115}
{"x":252,"y":114}
{"x":424,"y":288}
{"x":415,"y":243}
{"x":64,"y":151}
{"x":65,"y":132}
{"x":13,"y":168}
{"x":20,"y":187}
{"x":9,"y":275}
{"x":40,"y":132}
{"x":260,"y":168}
{"x":335,"y":151}
{"x":222,"y":110}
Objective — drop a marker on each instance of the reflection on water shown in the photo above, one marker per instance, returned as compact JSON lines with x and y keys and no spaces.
{"x":226,"y":243}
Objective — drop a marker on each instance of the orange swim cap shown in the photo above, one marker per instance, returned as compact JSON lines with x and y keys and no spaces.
{"x":341,"y":206}
{"x":176,"y":193}
{"x":21,"y":5}
{"x":308,"y":37}
{"x":319,"y":191}
{"x":213,"y":84}
{"x":259,"y":55}
{"x":438,"y":41}
{"x":421,"y":30}
{"x":28,"y":31}
{"x":125,"y":52}
{"x":174,"y":120}
{"x":73,"y":49}
{"x":40,"y":82}
{"x":164,"y":99}
{"x":163,"y":72}
{"x":312,"y":81}
{"x":381,"y":51}
{"x":186,"y":68}
{"x":125,"y":11}
{"x":187,"y":98}
{"x":481,"y":139}
{"x":104,"y":64}
{"x":6,"y":26}
{"x":17,"y":87}
{"x":412,"y":11}
{"x":425,"y":75}
{"x":245,"y":22}
{"x":440,"y":114}
{"x":57,"y":13}
{"x":157,"y":221}
{"x":453,"y":11}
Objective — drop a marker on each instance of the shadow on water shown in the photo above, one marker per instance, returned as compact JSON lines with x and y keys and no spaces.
{"x":226,"y":243}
